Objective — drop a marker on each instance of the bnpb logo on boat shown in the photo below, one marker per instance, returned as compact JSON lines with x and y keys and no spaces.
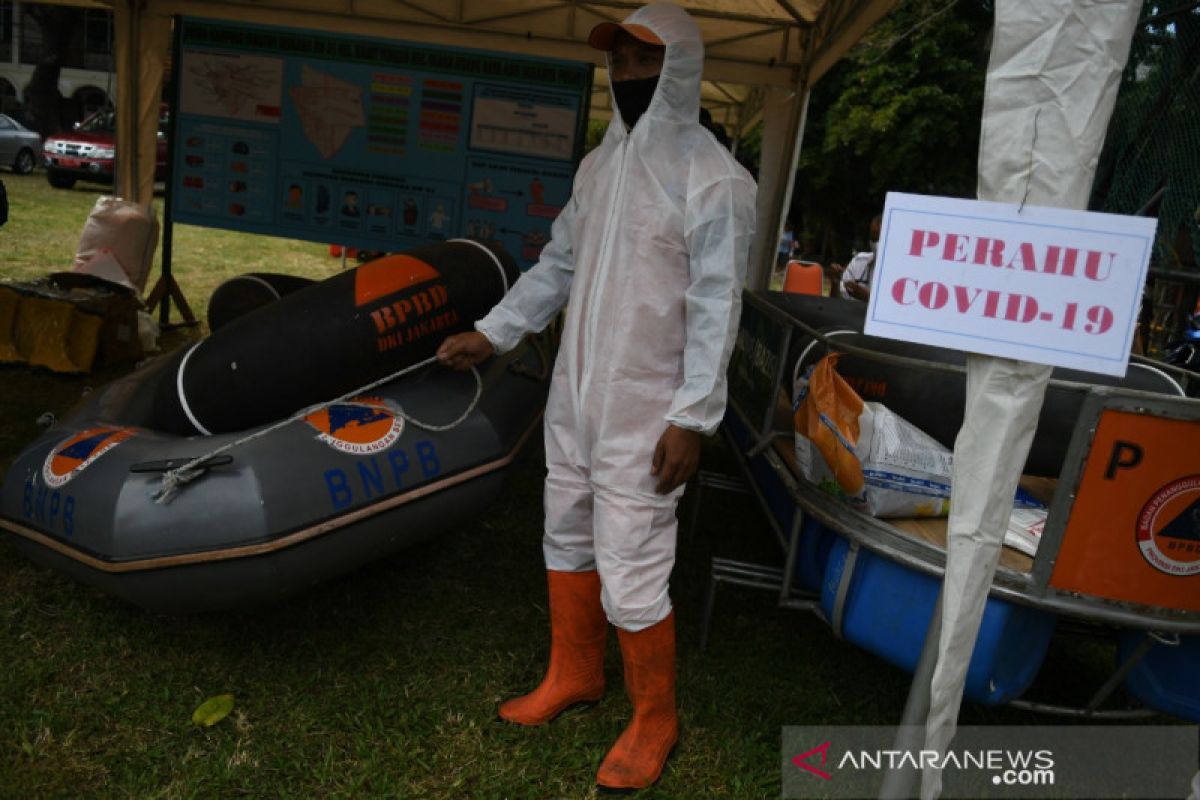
{"x":1168,"y":528}
{"x":362,"y":426}
{"x":76,"y":453}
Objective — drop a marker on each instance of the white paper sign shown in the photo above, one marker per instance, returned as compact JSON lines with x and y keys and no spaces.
{"x":1047,"y":285}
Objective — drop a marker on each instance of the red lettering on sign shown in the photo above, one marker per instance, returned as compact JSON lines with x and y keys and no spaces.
{"x":955,"y":249}
{"x":933,"y":295}
{"x":964,"y":299}
{"x":898,"y":291}
{"x":1025,"y":255}
{"x":1095,"y":268}
{"x":1021,"y":308}
{"x":986,"y":251}
{"x":989,"y":251}
{"x":992,"y":305}
{"x":1010,"y":306}
{"x":922,"y":239}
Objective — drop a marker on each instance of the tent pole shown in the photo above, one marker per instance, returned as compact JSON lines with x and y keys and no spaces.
{"x":130,"y":94}
{"x":166,"y":289}
{"x":784,"y":114}
{"x":168,"y":235}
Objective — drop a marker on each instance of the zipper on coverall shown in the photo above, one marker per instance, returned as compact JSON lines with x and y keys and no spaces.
{"x":610,"y":233}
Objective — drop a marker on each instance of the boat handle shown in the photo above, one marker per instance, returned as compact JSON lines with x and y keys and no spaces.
{"x":173,"y":463}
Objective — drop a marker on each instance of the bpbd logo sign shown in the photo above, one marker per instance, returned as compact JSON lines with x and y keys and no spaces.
{"x":1168,"y":528}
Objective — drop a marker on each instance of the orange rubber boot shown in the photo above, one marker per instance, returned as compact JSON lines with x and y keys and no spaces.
{"x":578,"y":629}
{"x":637,"y":759}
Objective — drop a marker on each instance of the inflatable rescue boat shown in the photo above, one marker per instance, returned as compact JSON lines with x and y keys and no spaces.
{"x":288,"y":489}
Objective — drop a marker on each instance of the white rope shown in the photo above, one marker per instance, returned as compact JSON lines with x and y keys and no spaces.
{"x":824,"y":337}
{"x":174,"y":479}
{"x":495,"y":260}
{"x":179,"y":392}
{"x":1174,"y":383}
{"x":253,"y":279}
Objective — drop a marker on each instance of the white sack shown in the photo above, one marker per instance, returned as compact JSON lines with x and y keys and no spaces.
{"x":125,"y":228}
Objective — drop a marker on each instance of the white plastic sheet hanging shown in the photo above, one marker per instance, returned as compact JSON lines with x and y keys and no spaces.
{"x":1051,"y":85}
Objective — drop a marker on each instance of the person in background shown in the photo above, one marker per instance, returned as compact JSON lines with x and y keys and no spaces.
{"x":715,"y":128}
{"x":787,"y":244}
{"x":651,"y":251}
{"x":855,"y":277}
{"x":3,"y":204}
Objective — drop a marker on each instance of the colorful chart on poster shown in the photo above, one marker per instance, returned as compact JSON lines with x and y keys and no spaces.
{"x":372,"y":143}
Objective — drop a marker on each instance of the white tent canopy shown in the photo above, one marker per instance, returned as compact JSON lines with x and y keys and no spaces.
{"x":762,"y":56}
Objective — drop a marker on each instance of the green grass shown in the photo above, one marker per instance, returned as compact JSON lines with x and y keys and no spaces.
{"x":44,"y":225}
{"x":385,"y":683}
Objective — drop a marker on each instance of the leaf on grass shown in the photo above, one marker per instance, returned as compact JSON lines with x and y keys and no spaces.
{"x":213,"y":710}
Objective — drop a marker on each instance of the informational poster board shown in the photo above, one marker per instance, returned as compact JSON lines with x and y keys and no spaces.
{"x":372,"y":143}
{"x":1047,"y":285}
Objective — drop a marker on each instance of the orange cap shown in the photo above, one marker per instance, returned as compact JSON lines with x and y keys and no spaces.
{"x":602,"y":35}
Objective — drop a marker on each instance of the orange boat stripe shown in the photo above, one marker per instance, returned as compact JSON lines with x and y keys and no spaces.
{"x":386,"y":276}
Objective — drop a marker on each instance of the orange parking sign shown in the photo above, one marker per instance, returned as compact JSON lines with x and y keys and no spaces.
{"x":1134,"y":531}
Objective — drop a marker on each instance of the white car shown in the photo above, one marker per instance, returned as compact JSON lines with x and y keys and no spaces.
{"x":19,"y":146}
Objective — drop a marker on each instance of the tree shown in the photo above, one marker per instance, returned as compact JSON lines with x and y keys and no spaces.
{"x":44,"y":105}
{"x":596,"y":128}
{"x":900,"y":113}
{"x":1150,"y":164}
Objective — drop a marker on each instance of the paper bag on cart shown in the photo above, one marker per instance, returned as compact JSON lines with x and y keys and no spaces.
{"x":883,"y":464}
{"x":880,"y":462}
{"x":827,"y":412}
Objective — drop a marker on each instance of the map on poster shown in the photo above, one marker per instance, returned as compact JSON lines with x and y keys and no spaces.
{"x":372,"y":143}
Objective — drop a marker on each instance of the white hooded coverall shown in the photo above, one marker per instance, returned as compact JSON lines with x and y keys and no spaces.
{"x":651,"y":252}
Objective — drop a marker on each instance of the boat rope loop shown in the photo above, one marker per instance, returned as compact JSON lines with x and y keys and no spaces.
{"x":174,"y":479}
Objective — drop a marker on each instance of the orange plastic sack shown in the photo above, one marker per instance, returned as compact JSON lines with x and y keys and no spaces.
{"x":828,"y":416}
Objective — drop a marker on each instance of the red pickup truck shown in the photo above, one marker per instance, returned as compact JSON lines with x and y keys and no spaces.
{"x":88,"y":151}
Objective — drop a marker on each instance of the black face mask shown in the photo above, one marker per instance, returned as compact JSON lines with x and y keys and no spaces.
{"x":633,"y":98}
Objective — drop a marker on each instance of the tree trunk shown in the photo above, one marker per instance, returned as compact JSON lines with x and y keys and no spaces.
{"x":43,"y":101}
{"x":44,"y":105}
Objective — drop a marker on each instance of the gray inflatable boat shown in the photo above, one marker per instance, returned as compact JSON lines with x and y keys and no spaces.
{"x":309,"y":500}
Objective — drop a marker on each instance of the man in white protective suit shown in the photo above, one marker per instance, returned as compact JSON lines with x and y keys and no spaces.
{"x":651,"y":254}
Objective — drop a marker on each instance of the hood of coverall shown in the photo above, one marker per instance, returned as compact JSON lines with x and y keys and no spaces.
{"x":677,"y":97}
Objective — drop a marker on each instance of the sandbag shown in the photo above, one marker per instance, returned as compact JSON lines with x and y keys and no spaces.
{"x":128,"y":230}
